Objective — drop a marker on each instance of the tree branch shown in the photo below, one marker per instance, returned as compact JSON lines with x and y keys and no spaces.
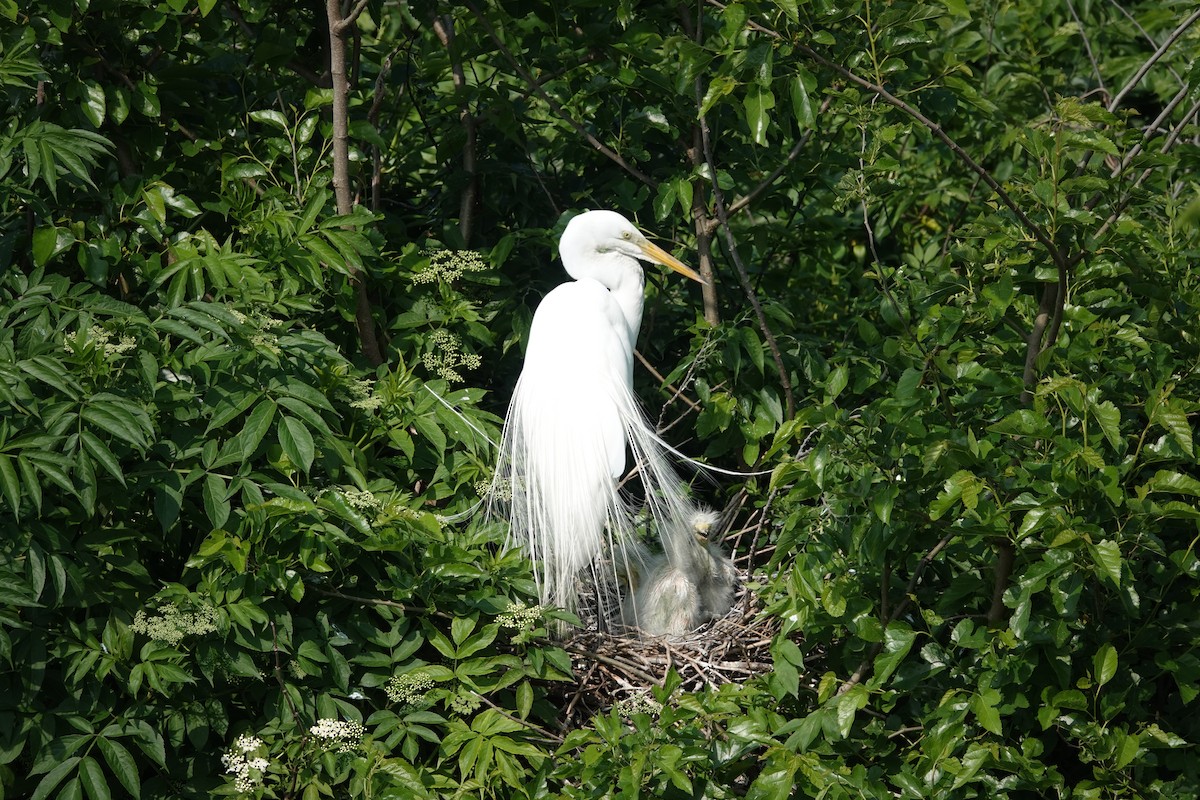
{"x":1150,"y":62}
{"x":554,"y":105}
{"x":864,"y":668}
{"x":341,"y":172}
{"x":743,"y":275}
{"x":443,"y":26}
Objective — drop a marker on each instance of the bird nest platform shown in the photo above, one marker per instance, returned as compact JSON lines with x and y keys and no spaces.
{"x":617,"y":666}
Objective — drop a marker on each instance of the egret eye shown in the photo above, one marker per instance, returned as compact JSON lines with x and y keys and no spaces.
{"x":626,"y":235}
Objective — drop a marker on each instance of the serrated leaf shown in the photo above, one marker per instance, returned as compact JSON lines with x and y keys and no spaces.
{"x":1174,"y":419}
{"x":983,"y":705}
{"x":53,"y":778}
{"x":123,"y":765}
{"x":296,"y":441}
{"x":1169,"y":481}
{"x":1104,"y":664}
{"x":1107,"y":556}
{"x":10,"y":485}
{"x":98,"y":450}
{"x":1109,"y":418}
{"x":93,"y":780}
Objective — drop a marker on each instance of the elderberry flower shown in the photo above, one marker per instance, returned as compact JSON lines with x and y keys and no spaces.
{"x":171,"y":625}
{"x":446,"y":356}
{"x":464,"y":703}
{"x":247,"y":772}
{"x":361,"y":501}
{"x":336,"y":735}
{"x":408,"y":689}
{"x":639,"y":703}
{"x":521,"y":618}
{"x":364,"y":396}
{"x":449,"y":265}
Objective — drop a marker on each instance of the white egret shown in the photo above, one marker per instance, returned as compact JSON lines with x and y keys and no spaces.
{"x":572,"y":417}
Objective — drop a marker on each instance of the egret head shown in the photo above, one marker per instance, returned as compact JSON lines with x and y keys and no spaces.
{"x":592,"y":238}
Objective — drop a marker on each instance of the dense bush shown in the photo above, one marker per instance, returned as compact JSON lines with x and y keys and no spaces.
{"x":953,"y":315}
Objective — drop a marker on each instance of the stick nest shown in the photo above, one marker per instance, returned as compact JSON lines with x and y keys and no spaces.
{"x":615,"y":664}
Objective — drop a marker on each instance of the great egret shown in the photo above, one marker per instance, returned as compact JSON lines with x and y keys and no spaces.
{"x":572,"y":416}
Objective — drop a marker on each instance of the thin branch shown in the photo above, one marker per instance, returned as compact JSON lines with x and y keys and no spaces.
{"x":443,"y":26}
{"x":767,"y":182}
{"x":868,"y":661}
{"x":364,"y":319}
{"x":1005,"y":557}
{"x":1087,"y":47}
{"x":743,"y":275}
{"x":1170,"y":141}
{"x":553,"y":737}
{"x":352,"y":16}
{"x":554,"y":105}
{"x":1150,"y":62}
{"x":677,"y":393}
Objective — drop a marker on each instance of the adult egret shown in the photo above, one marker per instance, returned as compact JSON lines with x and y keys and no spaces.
{"x":572,"y":417}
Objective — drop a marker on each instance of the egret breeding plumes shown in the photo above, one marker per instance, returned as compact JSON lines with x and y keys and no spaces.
{"x":572,"y":419}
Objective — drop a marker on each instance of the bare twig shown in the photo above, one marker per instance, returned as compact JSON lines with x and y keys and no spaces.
{"x":702,"y":222}
{"x":676,"y":392}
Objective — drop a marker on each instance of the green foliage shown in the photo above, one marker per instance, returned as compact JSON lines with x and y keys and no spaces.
{"x":238,"y":558}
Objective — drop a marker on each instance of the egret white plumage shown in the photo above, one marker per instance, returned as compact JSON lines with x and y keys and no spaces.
{"x":572,"y":416}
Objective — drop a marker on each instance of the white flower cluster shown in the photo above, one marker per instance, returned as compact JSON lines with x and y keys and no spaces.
{"x":639,"y":703}
{"x":449,"y":265}
{"x":364,"y":396}
{"x":247,"y":772}
{"x":336,"y":735}
{"x":446,"y":356}
{"x":521,"y":618}
{"x":465,"y":703}
{"x":171,"y":625}
{"x":360,"y":501}
{"x":104,"y":340}
{"x":408,"y":689}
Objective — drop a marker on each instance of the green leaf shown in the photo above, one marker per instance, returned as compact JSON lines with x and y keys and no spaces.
{"x":1107,"y":557}
{"x":256,"y":427}
{"x":1173,"y":482}
{"x":54,"y":777}
{"x":49,"y":242}
{"x":1175,"y":420}
{"x":758,"y":104}
{"x":983,"y":705}
{"x":802,"y":85}
{"x":720,"y":86}
{"x":1104,"y":664}
{"x":11,"y":485}
{"x":216,"y":502}
{"x":93,"y":780}
{"x":93,"y":105}
{"x":99,"y":451}
{"x":118,"y":420}
{"x":1109,"y":418}
{"x":836,"y":382}
{"x":296,"y":442}
{"x":123,"y":765}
